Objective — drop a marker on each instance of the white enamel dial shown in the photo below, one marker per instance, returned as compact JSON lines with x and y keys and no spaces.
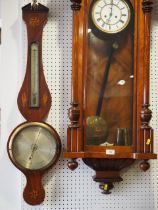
{"x":111,"y":16}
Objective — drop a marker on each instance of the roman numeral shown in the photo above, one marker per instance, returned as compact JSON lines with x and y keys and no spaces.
{"x":103,"y":24}
{"x":99,"y":6}
{"x":121,"y":21}
{"x":98,"y":19}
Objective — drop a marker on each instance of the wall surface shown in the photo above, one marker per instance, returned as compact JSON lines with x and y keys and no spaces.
{"x":65,"y":190}
{"x":10,"y":71}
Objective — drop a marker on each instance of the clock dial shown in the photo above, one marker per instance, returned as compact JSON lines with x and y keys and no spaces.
{"x":33,"y":146}
{"x":111,"y":16}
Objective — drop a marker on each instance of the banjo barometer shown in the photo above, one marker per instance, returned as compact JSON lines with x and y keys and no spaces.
{"x":34,"y":146}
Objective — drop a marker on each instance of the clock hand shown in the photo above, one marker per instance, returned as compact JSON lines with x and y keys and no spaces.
{"x":108,"y":20}
{"x":111,"y":6}
{"x":105,"y":78}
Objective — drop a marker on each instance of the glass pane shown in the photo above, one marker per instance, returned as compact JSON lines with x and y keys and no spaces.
{"x":109,"y":88}
{"x":34,"y":86}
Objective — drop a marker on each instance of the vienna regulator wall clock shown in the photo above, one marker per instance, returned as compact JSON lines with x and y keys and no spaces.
{"x":110,"y":112}
{"x":34,"y":146}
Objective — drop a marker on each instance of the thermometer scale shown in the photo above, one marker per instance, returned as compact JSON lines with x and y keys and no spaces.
{"x":34,"y":89}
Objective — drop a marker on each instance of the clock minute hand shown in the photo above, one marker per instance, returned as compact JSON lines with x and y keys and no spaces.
{"x":105,"y":78}
{"x":112,"y":3}
{"x":110,"y":11}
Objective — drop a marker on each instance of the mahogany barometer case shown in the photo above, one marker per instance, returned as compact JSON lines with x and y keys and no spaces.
{"x":109,"y":114}
{"x":34,"y":146}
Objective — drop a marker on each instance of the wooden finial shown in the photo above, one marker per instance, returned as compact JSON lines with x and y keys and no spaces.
{"x":144,"y":166}
{"x":147,"y":5}
{"x":76,"y":4}
{"x":34,"y":4}
{"x":72,"y":164}
{"x":106,"y":187}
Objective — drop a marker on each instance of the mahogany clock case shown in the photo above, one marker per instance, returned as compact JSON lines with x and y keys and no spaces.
{"x":124,"y":111}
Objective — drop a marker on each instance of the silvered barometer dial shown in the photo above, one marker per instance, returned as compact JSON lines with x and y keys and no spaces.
{"x":34,"y":146}
{"x":111,"y":16}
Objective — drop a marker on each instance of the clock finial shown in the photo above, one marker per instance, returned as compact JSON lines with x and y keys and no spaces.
{"x":147,"y":5}
{"x":76,"y":4}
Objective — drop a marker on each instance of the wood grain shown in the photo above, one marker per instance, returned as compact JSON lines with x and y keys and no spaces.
{"x":35,"y":19}
{"x":123,"y":106}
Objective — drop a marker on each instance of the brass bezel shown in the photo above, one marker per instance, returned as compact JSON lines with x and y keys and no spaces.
{"x":30,"y":124}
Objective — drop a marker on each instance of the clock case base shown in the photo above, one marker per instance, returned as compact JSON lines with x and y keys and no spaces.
{"x":107,"y":170}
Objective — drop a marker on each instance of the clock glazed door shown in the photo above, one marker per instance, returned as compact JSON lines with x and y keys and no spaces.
{"x":110,"y":74}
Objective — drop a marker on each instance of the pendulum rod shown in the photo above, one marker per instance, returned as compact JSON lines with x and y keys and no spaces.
{"x":105,"y":78}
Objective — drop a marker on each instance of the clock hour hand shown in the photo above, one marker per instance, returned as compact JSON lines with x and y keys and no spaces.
{"x":105,"y":78}
{"x":110,"y":15}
